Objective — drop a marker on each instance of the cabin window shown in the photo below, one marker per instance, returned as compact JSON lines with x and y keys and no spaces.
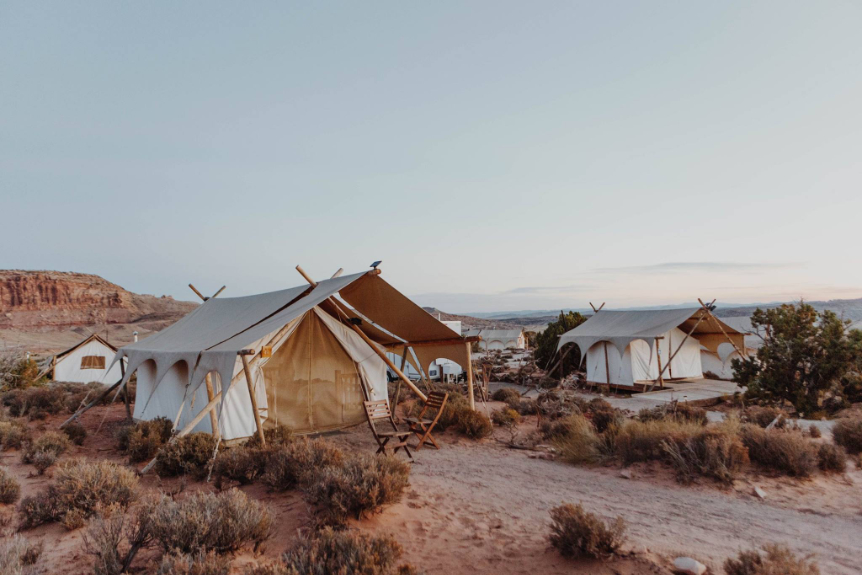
{"x":93,"y":362}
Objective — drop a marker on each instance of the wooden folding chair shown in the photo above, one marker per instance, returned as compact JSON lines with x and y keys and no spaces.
{"x":421,"y":426}
{"x":377,"y":411}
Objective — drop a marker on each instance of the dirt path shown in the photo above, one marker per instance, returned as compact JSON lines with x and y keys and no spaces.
{"x":481,"y":507}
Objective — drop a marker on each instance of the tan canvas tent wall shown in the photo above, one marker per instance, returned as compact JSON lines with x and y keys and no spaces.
{"x":313,"y":359}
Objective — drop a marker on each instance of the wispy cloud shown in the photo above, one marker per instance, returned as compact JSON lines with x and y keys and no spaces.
{"x":674,"y":267}
{"x":548,"y":290}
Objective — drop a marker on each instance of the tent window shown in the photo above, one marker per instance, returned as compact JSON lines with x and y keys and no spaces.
{"x":93,"y":362}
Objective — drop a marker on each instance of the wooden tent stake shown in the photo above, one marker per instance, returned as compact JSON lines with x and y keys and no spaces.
{"x":210,"y":395}
{"x":251,"y":394}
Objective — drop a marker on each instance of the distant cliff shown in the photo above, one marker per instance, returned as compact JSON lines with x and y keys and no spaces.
{"x":43,"y":301}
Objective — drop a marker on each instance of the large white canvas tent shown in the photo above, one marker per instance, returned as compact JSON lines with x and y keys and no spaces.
{"x":311,"y":358}
{"x":626,"y":348}
{"x":89,"y":360}
{"x":499,"y":338}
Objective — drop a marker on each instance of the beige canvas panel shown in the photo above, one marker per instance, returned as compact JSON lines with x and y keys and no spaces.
{"x":392,"y":310}
{"x":312,"y":384}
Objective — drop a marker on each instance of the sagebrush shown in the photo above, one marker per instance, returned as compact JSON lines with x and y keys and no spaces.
{"x":577,"y":533}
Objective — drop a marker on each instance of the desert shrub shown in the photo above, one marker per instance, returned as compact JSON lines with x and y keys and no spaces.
{"x":45,"y":450}
{"x":473,"y":424}
{"x":75,"y":432}
{"x":18,"y":555}
{"x":506,"y":416}
{"x":506,"y":394}
{"x":113,"y":538}
{"x":578,"y":441}
{"x":176,"y":563}
{"x":778,"y":560}
{"x":847,"y":433}
{"x":785,"y":451}
{"x":78,"y":490}
{"x":679,"y":411}
{"x":76,"y":394}
{"x":555,"y":428}
{"x":831,"y":458}
{"x":34,"y":402}
{"x":13,"y":434}
{"x":576,"y":532}
{"x":644,"y":440}
{"x":715,"y":452}
{"x":242,"y":464}
{"x":142,"y":440}
{"x":762,"y":415}
{"x":296,"y":463}
{"x":359,"y":486}
{"x":814,"y":431}
{"x":526,"y":406}
{"x":274,"y":436}
{"x":9,"y":488}
{"x":329,"y":551}
{"x":808,"y":358}
{"x":18,"y":371}
{"x":546,"y":354}
{"x":187,"y":455}
{"x":207,"y":521}
{"x":603,"y":415}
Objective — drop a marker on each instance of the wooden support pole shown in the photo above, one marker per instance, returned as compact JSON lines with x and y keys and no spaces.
{"x":398,"y":389}
{"x":430,"y":342}
{"x":658,"y":357}
{"x":96,"y":401}
{"x":607,"y":365}
{"x":251,"y":393}
{"x":200,"y":295}
{"x":221,"y":289}
{"x":338,"y":273}
{"x":210,"y":395}
{"x":721,"y":327}
{"x":470,"y":378}
{"x":673,"y":355}
{"x":126,"y":398}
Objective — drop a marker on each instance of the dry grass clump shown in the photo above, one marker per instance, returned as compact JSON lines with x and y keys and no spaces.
{"x":505,"y":416}
{"x":175,"y":563}
{"x":275,"y":436}
{"x":603,"y":415}
{"x":762,"y":415}
{"x":75,"y":432}
{"x":34,"y":402}
{"x":45,"y":450}
{"x":18,"y":556}
{"x":506,"y":394}
{"x":205,"y":521}
{"x":645,"y":440}
{"x":576,"y":439}
{"x":786,"y":451}
{"x":555,"y":428}
{"x":473,"y":424}
{"x":242,"y":464}
{"x":831,"y":458}
{"x":678,"y":411}
{"x":78,"y":491}
{"x":10,"y":490}
{"x":340,"y":552}
{"x":847,"y":433}
{"x":359,"y":486}
{"x":13,"y":434}
{"x":142,"y":440}
{"x":715,"y":452}
{"x":577,"y":533}
{"x":778,"y":560}
{"x":298,"y":462}
{"x":108,"y":530}
{"x":187,"y":455}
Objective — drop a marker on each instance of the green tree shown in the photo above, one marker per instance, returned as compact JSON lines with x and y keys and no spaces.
{"x":546,"y":344}
{"x":807,"y":358}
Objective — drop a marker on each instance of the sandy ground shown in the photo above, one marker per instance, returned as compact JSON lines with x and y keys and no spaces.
{"x":483,"y":508}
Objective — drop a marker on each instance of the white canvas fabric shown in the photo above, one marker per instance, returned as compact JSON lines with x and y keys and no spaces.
{"x":639,"y":361}
{"x":68,"y":366}
{"x":623,"y":327}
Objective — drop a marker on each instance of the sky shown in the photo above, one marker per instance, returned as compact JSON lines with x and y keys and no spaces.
{"x":495,"y":155}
